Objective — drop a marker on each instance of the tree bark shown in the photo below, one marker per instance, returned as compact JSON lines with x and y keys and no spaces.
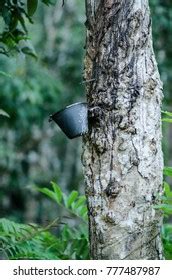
{"x":122,"y":154}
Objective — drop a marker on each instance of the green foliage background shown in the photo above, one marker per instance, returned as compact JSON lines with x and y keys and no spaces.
{"x":40,"y":73}
{"x":67,"y":241}
{"x":31,"y":150}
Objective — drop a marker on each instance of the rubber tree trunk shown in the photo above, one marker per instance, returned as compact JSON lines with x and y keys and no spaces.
{"x":122,"y":154}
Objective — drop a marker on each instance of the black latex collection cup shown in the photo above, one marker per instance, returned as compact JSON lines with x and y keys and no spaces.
{"x":73,"y":120}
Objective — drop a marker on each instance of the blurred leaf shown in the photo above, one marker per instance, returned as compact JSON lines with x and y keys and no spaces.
{"x":58,"y":192}
{"x":167,"y":113}
{"x":167,"y":190}
{"x":165,"y":207}
{"x":79,"y":202}
{"x":83,"y":211}
{"x":32,"y":7}
{"x":47,"y":192}
{"x":27,"y":48}
{"x":72,"y":197}
{"x":168,"y":120}
{"x":75,"y":204}
{"x":168,"y":171}
{"x":167,"y":240}
{"x":3,"y":113}
{"x":5,"y":74}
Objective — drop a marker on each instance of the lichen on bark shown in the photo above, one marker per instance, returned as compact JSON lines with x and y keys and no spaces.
{"x":122,"y":154}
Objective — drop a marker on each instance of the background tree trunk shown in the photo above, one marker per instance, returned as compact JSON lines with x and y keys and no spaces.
{"x":122,"y":155}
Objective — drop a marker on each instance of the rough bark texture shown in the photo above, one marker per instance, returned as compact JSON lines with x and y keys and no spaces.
{"x":122,"y":155}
